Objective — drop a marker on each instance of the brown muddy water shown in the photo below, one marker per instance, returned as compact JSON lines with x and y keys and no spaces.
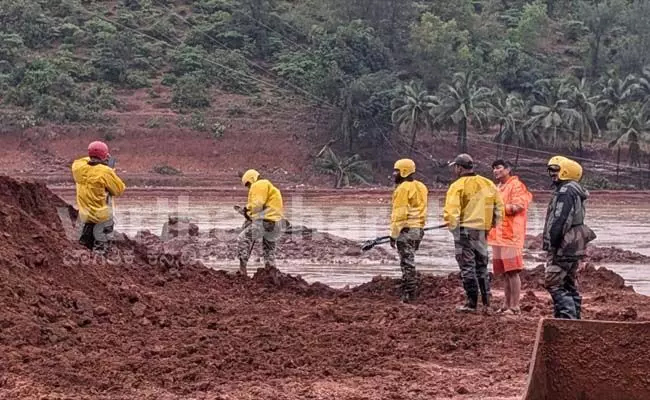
{"x":618,"y":221}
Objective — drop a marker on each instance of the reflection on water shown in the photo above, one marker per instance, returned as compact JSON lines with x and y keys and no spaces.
{"x":620,"y":223}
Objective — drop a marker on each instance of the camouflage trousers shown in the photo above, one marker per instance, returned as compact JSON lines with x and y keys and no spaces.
{"x":472,"y":258}
{"x":407,"y":243}
{"x":268,"y":232}
{"x":560,"y":280}
{"x":97,"y":236}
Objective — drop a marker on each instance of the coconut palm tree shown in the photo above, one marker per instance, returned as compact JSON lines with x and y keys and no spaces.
{"x":631,"y":126}
{"x":509,"y":111}
{"x":346,"y":170}
{"x":585,"y":125}
{"x":551,"y":112}
{"x":462,"y":101}
{"x":411,"y":109}
{"x":614,"y":93}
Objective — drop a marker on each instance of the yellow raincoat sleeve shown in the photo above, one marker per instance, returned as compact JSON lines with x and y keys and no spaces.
{"x":399,"y":215}
{"x":114,"y":184}
{"x":451,"y":212}
{"x":257,"y":197}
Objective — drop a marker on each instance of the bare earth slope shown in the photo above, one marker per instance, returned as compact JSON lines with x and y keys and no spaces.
{"x":153,"y":327}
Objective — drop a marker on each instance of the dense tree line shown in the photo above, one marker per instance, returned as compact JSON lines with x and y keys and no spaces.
{"x":553,"y":72}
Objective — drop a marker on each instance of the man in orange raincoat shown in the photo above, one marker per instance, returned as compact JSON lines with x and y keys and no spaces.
{"x":507,"y":238}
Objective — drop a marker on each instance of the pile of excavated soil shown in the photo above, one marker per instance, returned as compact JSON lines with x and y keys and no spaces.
{"x":597,"y":254}
{"x":149,"y":322}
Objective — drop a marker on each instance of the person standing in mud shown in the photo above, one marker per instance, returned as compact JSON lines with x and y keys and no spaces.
{"x":565,"y":236}
{"x":407,"y":222}
{"x":507,"y":238}
{"x":265,"y":213}
{"x":95,"y":181}
{"x":472,"y":207}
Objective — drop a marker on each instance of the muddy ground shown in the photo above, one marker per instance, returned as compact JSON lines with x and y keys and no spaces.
{"x":150,"y":323}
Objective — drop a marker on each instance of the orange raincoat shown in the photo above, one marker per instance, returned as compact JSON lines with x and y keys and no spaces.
{"x":512,"y":231}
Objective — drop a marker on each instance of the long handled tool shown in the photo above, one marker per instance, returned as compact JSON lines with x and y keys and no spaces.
{"x":286,"y":228}
{"x":369,"y":244}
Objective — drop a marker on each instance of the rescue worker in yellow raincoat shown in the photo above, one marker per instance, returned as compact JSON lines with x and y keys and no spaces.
{"x":472,"y":207}
{"x":407,"y":222}
{"x":265,"y":212}
{"x":95,"y":180}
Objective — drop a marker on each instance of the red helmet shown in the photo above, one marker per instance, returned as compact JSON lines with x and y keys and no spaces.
{"x":98,"y":150}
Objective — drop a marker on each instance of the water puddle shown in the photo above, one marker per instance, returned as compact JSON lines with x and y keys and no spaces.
{"x":620,"y":223}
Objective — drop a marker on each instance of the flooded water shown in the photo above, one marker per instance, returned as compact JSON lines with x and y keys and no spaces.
{"x":617,"y":221}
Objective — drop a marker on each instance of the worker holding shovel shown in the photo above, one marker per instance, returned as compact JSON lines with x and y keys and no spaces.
{"x":265,"y":212}
{"x":407,"y":222}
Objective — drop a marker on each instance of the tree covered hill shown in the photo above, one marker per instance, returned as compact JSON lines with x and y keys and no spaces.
{"x":551,"y":74}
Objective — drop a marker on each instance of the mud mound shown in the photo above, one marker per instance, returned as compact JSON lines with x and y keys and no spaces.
{"x":36,"y":200}
{"x":429,"y":287}
{"x":590,"y":278}
{"x":149,"y":322}
{"x":597,"y":254}
{"x":317,"y":247}
{"x":274,"y":279}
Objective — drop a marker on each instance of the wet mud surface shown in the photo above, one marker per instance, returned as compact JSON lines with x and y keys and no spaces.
{"x":150,"y":321}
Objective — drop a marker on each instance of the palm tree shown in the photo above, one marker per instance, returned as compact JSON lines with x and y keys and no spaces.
{"x":642,"y":89}
{"x":509,"y":111}
{"x":614,"y":93}
{"x":580,"y":100}
{"x":461,"y":101}
{"x":411,"y":109}
{"x":551,"y":112}
{"x":631,"y":126}
{"x":346,"y":170}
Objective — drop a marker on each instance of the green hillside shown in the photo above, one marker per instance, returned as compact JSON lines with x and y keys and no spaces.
{"x":553,"y":73}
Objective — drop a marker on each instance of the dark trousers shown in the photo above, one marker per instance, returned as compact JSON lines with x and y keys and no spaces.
{"x":560,"y":281}
{"x":472,"y":257}
{"x":96,"y":236}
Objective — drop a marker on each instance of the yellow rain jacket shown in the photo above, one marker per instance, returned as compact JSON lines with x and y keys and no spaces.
{"x":265,"y":201}
{"x":409,"y":207}
{"x":473,"y":202}
{"x":93,"y":183}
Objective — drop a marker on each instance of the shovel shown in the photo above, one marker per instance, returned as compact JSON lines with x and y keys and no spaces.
{"x":286,"y":226}
{"x":369,"y":244}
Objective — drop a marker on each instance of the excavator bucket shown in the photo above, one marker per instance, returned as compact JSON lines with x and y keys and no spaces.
{"x":590,"y":360}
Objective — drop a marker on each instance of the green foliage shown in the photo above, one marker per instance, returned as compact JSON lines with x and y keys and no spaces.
{"x":315,"y":72}
{"x":12,"y":50}
{"x":229,"y":68}
{"x":190,"y":91}
{"x":532,"y":26}
{"x":412,"y":109}
{"x":346,"y":170}
{"x":463,"y":101}
{"x":439,"y":48}
{"x":55,"y":95}
{"x":365,"y":110}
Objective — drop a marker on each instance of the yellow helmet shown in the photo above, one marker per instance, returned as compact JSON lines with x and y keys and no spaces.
{"x":568,"y":170}
{"x":251,"y":176}
{"x":405,"y":167}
